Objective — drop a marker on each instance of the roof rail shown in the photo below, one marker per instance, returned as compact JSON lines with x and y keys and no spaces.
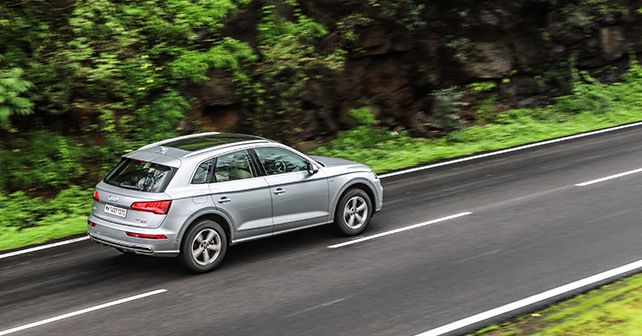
{"x":205,"y":150}
{"x":159,"y":143}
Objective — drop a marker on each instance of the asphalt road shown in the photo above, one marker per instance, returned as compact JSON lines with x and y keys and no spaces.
{"x":531,"y":229}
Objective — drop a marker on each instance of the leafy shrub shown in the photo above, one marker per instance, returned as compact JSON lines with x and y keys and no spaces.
{"x":158,"y":119}
{"x":486,"y":108}
{"x":41,"y":160}
{"x":588,"y":95}
{"x":19,"y":210}
{"x":363,"y":116}
{"x":446,"y":104}
{"x":22,"y":211}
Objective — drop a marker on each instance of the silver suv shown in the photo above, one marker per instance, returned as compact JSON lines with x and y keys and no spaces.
{"x":195,"y":195}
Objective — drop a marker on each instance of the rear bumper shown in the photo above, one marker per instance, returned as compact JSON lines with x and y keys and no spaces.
{"x":114,"y":235}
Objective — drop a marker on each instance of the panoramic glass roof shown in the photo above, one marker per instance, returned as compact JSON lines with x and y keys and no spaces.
{"x":207,"y":141}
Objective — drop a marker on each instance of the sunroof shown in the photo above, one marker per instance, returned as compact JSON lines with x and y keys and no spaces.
{"x":207,"y":141}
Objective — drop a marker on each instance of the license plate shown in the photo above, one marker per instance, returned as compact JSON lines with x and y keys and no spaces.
{"x":116,"y":211}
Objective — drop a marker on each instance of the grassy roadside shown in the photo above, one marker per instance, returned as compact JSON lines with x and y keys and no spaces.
{"x":614,"y":309}
{"x":396,"y":151}
{"x":592,"y":106}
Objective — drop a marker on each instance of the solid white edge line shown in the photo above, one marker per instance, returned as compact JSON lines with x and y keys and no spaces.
{"x":405,"y":228}
{"x":533,"y":299}
{"x":509,"y":150}
{"x":401,"y":172}
{"x":609,"y":177}
{"x":43,"y":247}
{"x":82,"y":311}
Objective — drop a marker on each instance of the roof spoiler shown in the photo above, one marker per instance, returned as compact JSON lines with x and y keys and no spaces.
{"x":159,"y":143}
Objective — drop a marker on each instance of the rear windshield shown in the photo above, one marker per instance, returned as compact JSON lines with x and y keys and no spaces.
{"x":139,"y":175}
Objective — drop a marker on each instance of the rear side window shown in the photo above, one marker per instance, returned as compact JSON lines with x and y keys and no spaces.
{"x":139,"y":175}
{"x":234,"y":166}
{"x":203,"y":173}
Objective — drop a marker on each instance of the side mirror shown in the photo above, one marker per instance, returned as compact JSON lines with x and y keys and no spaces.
{"x":312,"y":169}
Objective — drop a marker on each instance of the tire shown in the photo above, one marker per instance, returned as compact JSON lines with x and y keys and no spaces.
{"x":348,"y":218}
{"x":203,"y":247}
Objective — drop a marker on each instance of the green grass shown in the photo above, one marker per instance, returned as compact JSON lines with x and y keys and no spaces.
{"x":614,"y":309}
{"x":57,"y":226}
{"x":390,"y":151}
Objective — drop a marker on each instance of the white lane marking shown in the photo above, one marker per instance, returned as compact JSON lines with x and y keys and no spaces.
{"x":412,"y":170}
{"x":43,"y":247}
{"x":405,"y":228}
{"x":635,"y":171}
{"x":318,"y":306}
{"x":82,"y":311}
{"x":533,"y":299}
{"x":509,"y":150}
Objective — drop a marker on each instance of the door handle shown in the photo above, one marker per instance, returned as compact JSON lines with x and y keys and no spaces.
{"x":279,"y":191}
{"x":224,"y":200}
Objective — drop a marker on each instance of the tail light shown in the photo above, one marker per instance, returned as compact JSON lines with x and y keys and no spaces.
{"x":96,"y":196}
{"x":157,"y":207}
{"x":90,"y":223}
{"x":145,"y":235}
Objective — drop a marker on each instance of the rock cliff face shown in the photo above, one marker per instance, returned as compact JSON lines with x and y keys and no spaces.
{"x":405,"y":50}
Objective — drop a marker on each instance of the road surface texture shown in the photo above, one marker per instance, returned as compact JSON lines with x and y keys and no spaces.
{"x":531,"y":228}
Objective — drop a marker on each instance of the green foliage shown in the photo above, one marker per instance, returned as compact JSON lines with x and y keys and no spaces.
{"x":19,"y":210}
{"x":589,"y":95}
{"x":30,"y":220}
{"x":407,"y":12}
{"x":482,"y":86}
{"x":363,"y":116}
{"x":445,"y":106}
{"x":288,"y":61}
{"x":12,"y":85}
{"x":486,"y":108}
{"x":41,"y":160}
{"x":22,"y":211}
{"x":158,"y":119}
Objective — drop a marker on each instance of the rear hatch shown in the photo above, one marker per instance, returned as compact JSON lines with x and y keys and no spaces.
{"x":134,"y":181}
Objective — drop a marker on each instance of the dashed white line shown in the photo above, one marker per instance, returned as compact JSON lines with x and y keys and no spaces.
{"x":405,"y":228}
{"x":43,"y":247}
{"x":509,"y":150}
{"x":318,"y":306}
{"x":80,"y":312}
{"x":594,"y":279}
{"x":635,"y":171}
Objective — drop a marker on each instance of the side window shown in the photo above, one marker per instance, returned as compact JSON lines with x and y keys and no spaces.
{"x":278,"y":160}
{"x":203,"y":173}
{"x":234,"y":166}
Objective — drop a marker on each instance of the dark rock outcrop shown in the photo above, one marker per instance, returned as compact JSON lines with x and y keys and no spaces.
{"x":410,"y":49}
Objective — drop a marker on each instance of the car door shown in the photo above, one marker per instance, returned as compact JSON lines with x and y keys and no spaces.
{"x":242,"y":193}
{"x":299,"y":198}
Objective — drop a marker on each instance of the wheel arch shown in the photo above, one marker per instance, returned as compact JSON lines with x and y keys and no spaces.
{"x":356,"y":184}
{"x":211,"y":215}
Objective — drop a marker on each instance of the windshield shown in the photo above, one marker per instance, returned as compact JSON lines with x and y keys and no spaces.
{"x":139,"y":175}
